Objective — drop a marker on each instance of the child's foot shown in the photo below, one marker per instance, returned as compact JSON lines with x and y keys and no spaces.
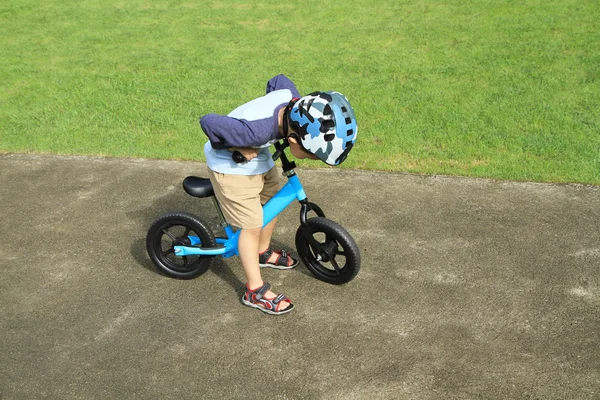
{"x":266,"y":301}
{"x":276,"y":259}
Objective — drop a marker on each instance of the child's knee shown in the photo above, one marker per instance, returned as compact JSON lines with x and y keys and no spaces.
{"x":250,"y":235}
{"x":252,"y":231}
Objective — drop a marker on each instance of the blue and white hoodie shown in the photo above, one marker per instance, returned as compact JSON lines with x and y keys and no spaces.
{"x":254,"y":124}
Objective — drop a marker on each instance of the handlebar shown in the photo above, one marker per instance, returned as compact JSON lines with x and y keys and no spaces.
{"x":238,"y":157}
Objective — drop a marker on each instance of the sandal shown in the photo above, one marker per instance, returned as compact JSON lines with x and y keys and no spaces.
{"x":282,"y":261}
{"x":255,"y":298}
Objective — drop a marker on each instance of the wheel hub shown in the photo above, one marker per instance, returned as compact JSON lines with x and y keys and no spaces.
{"x":327,"y":251}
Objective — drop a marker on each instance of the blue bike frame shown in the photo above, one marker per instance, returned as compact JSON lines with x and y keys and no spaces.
{"x":291,"y":191}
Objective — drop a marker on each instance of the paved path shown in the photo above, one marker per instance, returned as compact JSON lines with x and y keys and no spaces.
{"x":468,"y":289}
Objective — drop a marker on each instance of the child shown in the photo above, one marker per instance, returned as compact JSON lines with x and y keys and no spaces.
{"x":318,"y":126}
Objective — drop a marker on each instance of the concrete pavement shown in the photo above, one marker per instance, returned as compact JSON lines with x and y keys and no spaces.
{"x":469,"y":288}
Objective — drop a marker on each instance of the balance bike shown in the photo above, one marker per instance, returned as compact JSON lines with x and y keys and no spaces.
{"x":182,"y":246}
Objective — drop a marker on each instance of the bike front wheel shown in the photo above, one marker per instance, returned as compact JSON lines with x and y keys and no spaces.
{"x":179,"y":229}
{"x":328,"y":250}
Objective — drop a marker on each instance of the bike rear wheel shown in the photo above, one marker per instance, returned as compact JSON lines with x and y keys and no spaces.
{"x":328,"y":250}
{"x":179,"y":229}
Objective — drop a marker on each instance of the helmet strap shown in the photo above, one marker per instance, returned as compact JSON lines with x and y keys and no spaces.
{"x":286,"y":117}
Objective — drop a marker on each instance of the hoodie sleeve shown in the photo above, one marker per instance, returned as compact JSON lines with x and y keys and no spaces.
{"x":225,"y":132}
{"x":282,"y":82}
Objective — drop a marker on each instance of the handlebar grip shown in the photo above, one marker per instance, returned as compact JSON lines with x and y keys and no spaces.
{"x":238,"y":157}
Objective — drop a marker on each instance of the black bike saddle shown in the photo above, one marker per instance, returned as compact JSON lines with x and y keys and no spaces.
{"x":198,"y":187}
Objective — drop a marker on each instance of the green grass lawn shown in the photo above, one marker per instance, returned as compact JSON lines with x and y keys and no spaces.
{"x":502,"y":89}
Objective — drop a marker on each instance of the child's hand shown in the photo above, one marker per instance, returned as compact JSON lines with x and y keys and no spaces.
{"x":248,"y":152}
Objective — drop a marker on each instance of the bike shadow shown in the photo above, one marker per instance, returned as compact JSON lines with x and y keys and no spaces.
{"x":220,"y":267}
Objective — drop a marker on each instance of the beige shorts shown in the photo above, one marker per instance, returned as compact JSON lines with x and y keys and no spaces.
{"x":241,"y":196}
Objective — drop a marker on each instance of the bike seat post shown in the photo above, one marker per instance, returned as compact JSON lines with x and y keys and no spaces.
{"x":224,"y":222}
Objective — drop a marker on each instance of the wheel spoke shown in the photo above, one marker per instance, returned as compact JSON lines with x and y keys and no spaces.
{"x":169,"y":234}
{"x":335,"y":266}
{"x":187,"y":232}
{"x":167,"y":252}
{"x":185,"y":261}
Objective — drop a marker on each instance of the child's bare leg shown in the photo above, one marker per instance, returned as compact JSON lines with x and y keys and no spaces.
{"x":265,"y":235}
{"x":248,"y":248}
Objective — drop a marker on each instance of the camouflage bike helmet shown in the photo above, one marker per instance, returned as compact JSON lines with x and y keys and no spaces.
{"x":325,"y":125}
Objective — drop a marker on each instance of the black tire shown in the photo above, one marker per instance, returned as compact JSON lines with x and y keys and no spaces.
{"x":173,"y":229}
{"x":337,"y":259}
